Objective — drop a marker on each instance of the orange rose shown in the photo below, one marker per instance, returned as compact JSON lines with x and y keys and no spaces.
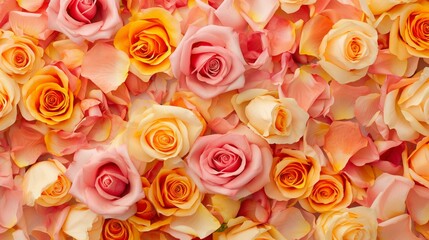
{"x":47,"y":97}
{"x":293,"y":175}
{"x":20,"y":56}
{"x":120,"y":230}
{"x":174,"y":193}
{"x":330,"y":193}
{"x":149,"y":39}
{"x":9,"y":98}
{"x":417,"y":162}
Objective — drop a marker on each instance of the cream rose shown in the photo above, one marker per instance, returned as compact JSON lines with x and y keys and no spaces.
{"x":20,"y":56}
{"x":330,"y":193}
{"x":359,"y":223}
{"x":9,"y":98}
{"x":83,"y":224}
{"x":160,"y":131}
{"x":406,"y":106}
{"x":348,"y":49}
{"x":242,"y":228}
{"x":46,"y":184}
{"x":293,"y":175}
{"x":279,"y":121}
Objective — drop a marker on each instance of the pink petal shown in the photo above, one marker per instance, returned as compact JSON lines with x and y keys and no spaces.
{"x":30,"y":24}
{"x":105,"y":66}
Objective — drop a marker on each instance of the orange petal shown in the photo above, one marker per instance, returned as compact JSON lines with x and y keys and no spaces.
{"x":342,"y":141}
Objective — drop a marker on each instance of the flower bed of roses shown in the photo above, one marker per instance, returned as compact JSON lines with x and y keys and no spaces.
{"x":233,"y":119}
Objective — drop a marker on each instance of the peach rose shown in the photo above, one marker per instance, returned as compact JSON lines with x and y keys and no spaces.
{"x":83,"y":224}
{"x":160,"y":131}
{"x":114,"y":229}
{"x":358,"y":223}
{"x":47,"y":97}
{"x":242,"y":228}
{"x":279,"y":121}
{"x":106,"y":181}
{"x":405,"y":106}
{"x":416,"y":163}
{"x":379,"y":7}
{"x":407,"y":36}
{"x":235,"y":164}
{"x":20,"y":56}
{"x":174,"y":193}
{"x":149,"y":39}
{"x":348,"y":50}
{"x":45,"y":183}
{"x":208,"y":61}
{"x":330,"y":193}
{"x":9,"y":99}
{"x":84,"y":19}
{"x":293,"y":175}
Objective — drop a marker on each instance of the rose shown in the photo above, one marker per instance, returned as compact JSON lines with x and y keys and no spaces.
{"x":84,"y":19}
{"x":47,"y":96}
{"x":9,"y":98}
{"x":51,"y":190}
{"x":106,"y":180}
{"x":348,"y":50}
{"x":82,"y":224}
{"x":291,"y":6}
{"x":160,"y":131}
{"x":235,"y":164}
{"x":148,"y":40}
{"x":120,"y":230}
{"x":243,"y":228}
{"x":174,"y":193}
{"x":359,"y":223}
{"x":405,"y":106}
{"x":208,"y":61}
{"x":408,"y":36}
{"x":415,"y":165}
{"x":20,"y":56}
{"x":330,"y":193}
{"x":279,"y":121}
{"x":380,"y":7}
{"x":293,"y":175}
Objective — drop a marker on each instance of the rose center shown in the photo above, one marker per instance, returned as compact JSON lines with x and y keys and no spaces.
{"x":355,"y":49}
{"x":111,"y":181}
{"x":20,"y":58}
{"x":83,"y":10}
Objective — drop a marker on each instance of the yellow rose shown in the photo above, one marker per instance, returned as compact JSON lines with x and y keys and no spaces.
{"x":406,"y":106}
{"x":46,"y":97}
{"x":378,"y":7}
{"x":149,"y":39}
{"x":83,"y":224}
{"x":44,"y":183}
{"x":160,"y":131}
{"x":174,"y":193}
{"x":330,"y":193}
{"x":348,"y":49}
{"x":408,"y":34}
{"x":279,"y":121}
{"x":114,"y":229}
{"x":9,"y":98}
{"x":417,"y":162}
{"x":20,"y":56}
{"x":359,"y":223}
{"x":291,"y":6}
{"x":293,"y":175}
{"x":241,"y":228}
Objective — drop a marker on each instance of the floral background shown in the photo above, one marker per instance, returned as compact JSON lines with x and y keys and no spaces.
{"x":214,"y":119}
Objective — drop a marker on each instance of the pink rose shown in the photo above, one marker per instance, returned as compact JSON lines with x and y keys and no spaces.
{"x":235,"y":164}
{"x":208,"y":61}
{"x":85,"y":19}
{"x":107,"y":181}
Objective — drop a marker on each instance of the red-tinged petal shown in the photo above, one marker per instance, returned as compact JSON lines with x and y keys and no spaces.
{"x":345,"y":97}
{"x":105,"y":66}
{"x":62,"y":143}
